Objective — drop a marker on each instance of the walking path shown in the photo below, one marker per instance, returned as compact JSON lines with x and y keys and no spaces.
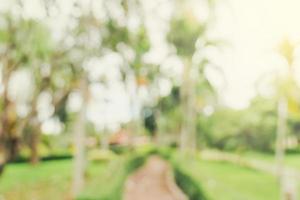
{"x":153,"y":181}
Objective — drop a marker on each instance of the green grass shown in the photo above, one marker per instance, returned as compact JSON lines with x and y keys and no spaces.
{"x":222,"y":180}
{"x":291,"y":160}
{"x":51,"y":180}
{"x":22,"y":181}
{"x":107,"y":184}
{"x":48,"y":180}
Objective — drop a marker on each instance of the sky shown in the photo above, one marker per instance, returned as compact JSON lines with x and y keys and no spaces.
{"x":253,"y":29}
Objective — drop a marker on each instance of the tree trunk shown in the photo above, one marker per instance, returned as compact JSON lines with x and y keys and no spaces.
{"x":188,"y":129}
{"x":34,"y":142}
{"x":104,"y":140}
{"x":79,"y":144}
{"x":3,"y":149}
{"x":134,"y":101}
{"x":2,"y":156}
{"x":280,"y":145}
{"x":35,"y":127}
{"x":13,"y":148}
{"x":4,"y":123}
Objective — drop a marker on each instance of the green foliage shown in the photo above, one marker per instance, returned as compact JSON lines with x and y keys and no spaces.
{"x":150,"y":120}
{"x":253,"y":128}
{"x":171,"y":101}
{"x":97,"y":155}
{"x":28,"y":40}
{"x":188,"y":185}
{"x":140,"y":43}
{"x":287,"y":50}
{"x":184,"y":34}
{"x":114,"y":35}
{"x":294,"y":125}
{"x":170,"y":113}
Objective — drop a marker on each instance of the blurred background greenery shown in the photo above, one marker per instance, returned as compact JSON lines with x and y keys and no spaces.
{"x":91,"y":88}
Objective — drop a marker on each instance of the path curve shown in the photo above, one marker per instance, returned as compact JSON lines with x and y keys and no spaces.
{"x":153,"y":181}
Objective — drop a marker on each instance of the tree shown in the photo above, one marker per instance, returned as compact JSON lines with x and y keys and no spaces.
{"x":27,"y":46}
{"x":79,"y":142}
{"x":287,"y":94}
{"x":190,"y":38}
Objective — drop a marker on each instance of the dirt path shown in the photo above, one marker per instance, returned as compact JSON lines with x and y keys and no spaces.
{"x":153,"y":181}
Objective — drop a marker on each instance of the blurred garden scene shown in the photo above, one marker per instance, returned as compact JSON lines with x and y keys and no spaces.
{"x":149,"y":100}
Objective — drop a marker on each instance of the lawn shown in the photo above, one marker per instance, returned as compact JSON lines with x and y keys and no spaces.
{"x":222,"y":180}
{"x":51,"y":180}
{"x":47,"y":181}
{"x":292,"y":160}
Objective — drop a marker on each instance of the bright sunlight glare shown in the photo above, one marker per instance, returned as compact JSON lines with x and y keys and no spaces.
{"x":254,"y":29}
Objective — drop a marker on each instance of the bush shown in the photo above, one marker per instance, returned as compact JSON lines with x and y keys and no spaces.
{"x":189,"y":186}
{"x":99,"y":155}
{"x":120,"y":149}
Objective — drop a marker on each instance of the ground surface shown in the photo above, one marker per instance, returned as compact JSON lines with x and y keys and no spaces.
{"x":153,"y":181}
{"x":51,"y":180}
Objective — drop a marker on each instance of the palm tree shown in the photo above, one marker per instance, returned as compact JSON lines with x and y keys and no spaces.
{"x":186,"y":34}
{"x":287,"y":90}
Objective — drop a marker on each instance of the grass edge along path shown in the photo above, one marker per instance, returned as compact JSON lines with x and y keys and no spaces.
{"x":290,"y":177}
{"x":156,"y":179}
{"x":219,"y":180}
{"x":131,"y":162}
{"x":233,"y":182}
{"x":257,"y":164}
{"x":226,"y":181}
